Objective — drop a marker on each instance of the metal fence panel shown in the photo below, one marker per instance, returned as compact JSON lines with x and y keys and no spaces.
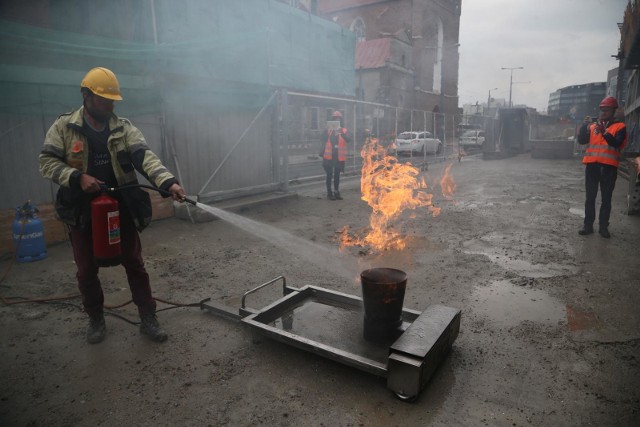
{"x":308,"y":114}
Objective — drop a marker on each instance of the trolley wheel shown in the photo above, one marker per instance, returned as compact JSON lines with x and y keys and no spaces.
{"x":408,"y":399}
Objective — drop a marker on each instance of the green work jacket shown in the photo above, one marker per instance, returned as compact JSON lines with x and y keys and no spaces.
{"x":65,"y":156}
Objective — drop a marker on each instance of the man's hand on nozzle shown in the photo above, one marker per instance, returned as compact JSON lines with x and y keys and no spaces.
{"x":177,"y":193}
{"x":90,"y":184}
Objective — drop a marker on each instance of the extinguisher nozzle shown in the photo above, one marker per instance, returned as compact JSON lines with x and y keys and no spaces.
{"x":163,"y":192}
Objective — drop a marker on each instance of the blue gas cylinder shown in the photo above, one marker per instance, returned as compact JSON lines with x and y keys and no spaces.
{"x":28,"y":234}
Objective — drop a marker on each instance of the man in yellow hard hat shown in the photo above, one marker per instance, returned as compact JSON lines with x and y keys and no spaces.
{"x":90,"y":148}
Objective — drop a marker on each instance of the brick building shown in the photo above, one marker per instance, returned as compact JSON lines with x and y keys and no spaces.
{"x":407,"y":51}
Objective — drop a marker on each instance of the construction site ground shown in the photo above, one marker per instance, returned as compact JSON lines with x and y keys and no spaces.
{"x":550,"y":330}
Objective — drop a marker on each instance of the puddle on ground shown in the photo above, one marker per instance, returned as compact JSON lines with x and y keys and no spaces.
{"x":536,"y":199}
{"x":579,"y":320}
{"x":510,"y":263}
{"x":527,"y":269}
{"x":577,"y":211}
{"x":508,"y":304}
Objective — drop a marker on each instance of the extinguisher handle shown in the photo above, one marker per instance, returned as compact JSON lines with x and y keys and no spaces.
{"x":169,"y":194}
{"x":106,"y":189}
{"x":190,"y":201}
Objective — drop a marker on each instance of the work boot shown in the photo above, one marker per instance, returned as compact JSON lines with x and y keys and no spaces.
{"x":586,"y":229}
{"x":604,"y":232}
{"x":149,"y":326}
{"x":97,"y":329}
{"x":330,"y":196}
{"x":337,"y":195}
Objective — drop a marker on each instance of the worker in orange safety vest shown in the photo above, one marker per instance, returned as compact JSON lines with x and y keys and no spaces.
{"x":606,"y":138}
{"x":334,"y":155}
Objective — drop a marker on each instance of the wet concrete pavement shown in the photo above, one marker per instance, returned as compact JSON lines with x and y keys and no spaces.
{"x":549,"y":333}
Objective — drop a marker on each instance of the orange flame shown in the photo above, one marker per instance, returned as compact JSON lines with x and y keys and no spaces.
{"x":447,"y":184}
{"x":389,"y":188}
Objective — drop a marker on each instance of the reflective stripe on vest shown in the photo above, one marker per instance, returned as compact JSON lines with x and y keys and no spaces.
{"x":598,"y":151}
{"x":342,"y":148}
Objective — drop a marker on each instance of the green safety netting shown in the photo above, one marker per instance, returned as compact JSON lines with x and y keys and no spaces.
{"x":224,"y":54}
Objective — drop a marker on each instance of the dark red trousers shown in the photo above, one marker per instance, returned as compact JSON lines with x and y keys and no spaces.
{"x":88,"y":281}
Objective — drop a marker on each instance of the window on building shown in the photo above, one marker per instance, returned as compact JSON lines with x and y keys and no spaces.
{"x":314,"y":119}
{"x":437,"y":66}
{"x":359,"y":29}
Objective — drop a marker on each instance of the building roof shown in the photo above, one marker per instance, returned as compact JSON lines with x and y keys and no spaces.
{"x":329,"y":6}
{"x":373,"y":53}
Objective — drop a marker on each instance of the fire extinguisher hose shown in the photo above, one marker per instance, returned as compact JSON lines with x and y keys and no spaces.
{"x":159,"y":190}
{"x":7,"y":301}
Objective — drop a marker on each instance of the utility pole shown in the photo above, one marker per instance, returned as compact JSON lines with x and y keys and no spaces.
{"x":511,"y":81}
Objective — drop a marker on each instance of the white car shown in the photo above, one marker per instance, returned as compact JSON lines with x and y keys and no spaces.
{"x":472,"y":138}
{"x":417,"y":142}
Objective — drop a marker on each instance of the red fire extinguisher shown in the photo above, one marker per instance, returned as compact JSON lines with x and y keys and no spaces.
{"x":105,"y":228}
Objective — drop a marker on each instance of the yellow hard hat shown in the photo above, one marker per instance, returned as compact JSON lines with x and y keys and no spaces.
{"x":102,"y":82}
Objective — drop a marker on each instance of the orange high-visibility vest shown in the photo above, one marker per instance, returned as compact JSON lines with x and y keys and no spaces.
{"x":598,"y":151}
{"x":342,"y":148}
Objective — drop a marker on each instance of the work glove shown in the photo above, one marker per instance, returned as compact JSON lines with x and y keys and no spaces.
{"x":600,"y":128}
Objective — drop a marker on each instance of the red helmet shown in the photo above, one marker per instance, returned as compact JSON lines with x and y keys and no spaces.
{"x":610,"y":102}
{"x":336,"y":114}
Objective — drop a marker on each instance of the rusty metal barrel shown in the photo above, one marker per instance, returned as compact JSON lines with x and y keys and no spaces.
{"x":382,"y":296}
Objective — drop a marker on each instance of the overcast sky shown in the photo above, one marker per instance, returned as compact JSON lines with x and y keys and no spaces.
{"x":558,"y":42}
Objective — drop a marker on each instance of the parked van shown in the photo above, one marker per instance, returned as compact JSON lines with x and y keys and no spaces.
{"x":472,"y":138}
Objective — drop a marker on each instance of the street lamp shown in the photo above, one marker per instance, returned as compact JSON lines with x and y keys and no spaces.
{"x":489,"y":98}
{"x":511,"y":81}
{"x":521,"y":83}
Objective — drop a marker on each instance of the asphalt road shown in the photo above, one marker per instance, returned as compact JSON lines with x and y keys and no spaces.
{"x":549,"y":336}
